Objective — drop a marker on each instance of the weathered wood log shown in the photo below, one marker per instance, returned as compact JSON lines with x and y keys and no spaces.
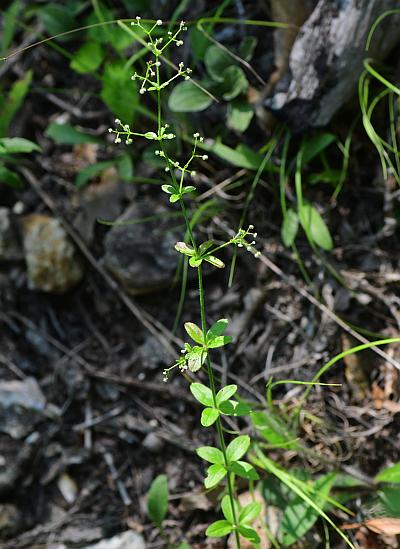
{"x":327,"y":59}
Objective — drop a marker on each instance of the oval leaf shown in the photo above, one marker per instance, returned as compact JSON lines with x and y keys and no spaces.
{"x":209,"y":416}
{"x":211,"y":454}
{"x":194,"y":332}
{"x":219,"y":529}
{"x":157,"y":500}
{"x":187,"y":97}
{"x":202,"y":393}
{"x":238,"y":447}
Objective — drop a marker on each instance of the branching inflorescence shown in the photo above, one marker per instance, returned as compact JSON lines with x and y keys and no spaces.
{"x":226,"y":461}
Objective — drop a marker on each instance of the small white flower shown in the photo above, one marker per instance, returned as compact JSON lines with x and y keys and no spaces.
{"x":187,"y":77}
{"x":117,"y":121}
{"x":159,"y":22}
{"x":193,"y":173}
{"x":251,"y":226}
{"x":128,"y":141}
{"x":117,"y":140}
{"x":138,"y":18}
{"x":204,"y":157}
{"x":142,"y":91}
{"x":257,"y":254}
{"x":110,"y":130}
{"x":166,"y":169}
{"x":179,"y":43}
{"x":196,"y":135}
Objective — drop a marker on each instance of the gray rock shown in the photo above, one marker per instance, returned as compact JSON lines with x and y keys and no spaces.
{"x":141,"y":256}
{"x":49,"y":254}
{"x":327,"y":59}
{"x":10,"y":520}
{"x":22,"y":404}
{"x":126,"y":540}
{"x":153,"y":443}
{"x":10,"y":245}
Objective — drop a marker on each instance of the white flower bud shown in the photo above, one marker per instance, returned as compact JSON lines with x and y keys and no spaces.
{"x":159,"y":22}
{"x":204,"y":157}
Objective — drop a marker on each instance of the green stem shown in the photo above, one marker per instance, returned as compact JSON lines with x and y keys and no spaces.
{"x":220,"y":432}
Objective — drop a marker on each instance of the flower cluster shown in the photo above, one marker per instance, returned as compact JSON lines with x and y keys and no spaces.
{"x":240,"y":240}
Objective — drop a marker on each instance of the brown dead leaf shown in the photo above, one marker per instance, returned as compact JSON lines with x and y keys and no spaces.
{"x":384,"y":525}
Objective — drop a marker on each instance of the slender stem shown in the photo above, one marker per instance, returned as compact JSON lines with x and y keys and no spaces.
{"x":210,"y":373}
{"x":220,"y":432}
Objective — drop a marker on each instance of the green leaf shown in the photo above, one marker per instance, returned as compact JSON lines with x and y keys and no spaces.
{"x":174,"y":198}
{"x":290,"y":227}
{"x":249,"y":534}
{"x":9,"y":24}
{"x":391,"y":474}
{"x":202,"y":394}
{"x":88,"y":58}
{"x":157,"y":500}
{"x":314,"y":145}
{"x":196,"y":358}
{"x":10,"y":178}
{"x":219,"y":341}
{"x":195,"y":261}
{"x":240,"y":114}
{"x":56,"y":19}
{"x":241,"y":157}
{"x":217,"y":329}
{"x":244,"y":470}
{"x":216,"y":61}
{"x":188,"y":189}
{"x":219,"y":529}
{"x":238,"y":447}
{"x":12,"y":145}
{"x":211,"y":454}
{"x":183,"y":248}
{"x":250,"y":512}
{"x":226,"y":508}
{"x":65,"y":134}
{"x":88,"y":173}
{"x":390,"y":499}
{"x":247,"y":47}
{"x":13,"y":101}
{"x":215,"y":261}
{"x":299,"y":517}
{"x":274,"y":429}
{"x":169,"y":189}
{"x":119,"y":92}
{"x":125,"y":167}
{"x":234,"y":408}
{"x":204,"y":246}
{"x":187,"y":97}
{"x":194,"y":332}
{"x":235,"y":82}
{"x":215,"y":473}
{"x":315,"y":227}
{"x":209,"y":416}
{"x":225,"y":393}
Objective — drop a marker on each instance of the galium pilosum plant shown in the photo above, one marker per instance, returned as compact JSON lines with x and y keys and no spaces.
{"x":226,"y":461}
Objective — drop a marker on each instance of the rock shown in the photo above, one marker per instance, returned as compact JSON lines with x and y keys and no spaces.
{"x":126,"y":540}
{"x":141,"y":256}
{"x":68,"y":488}
{"x":327,"y":59}
{"x":21,"y":406}
{"x":153,"y":443}
{"x":50,"y":256}
{"x":10,"y":520}
{"x":10,"y":245}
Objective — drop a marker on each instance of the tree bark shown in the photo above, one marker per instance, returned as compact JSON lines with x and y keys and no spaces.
{"x":327,"y":59}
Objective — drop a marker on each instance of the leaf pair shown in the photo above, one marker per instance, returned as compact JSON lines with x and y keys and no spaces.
{"x":220,"y":468}
{"x":175,"y":194}
{"x":223,"y":404}
{"x":197,"y":258}
{"x":244,"y":516}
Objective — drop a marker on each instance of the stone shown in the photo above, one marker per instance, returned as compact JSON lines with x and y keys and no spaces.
{"x":141,"y":256}
{"x":126,"y":540}
{"x":22,"y":404}
{"x":10,"y":520}
{"x":153,"y":443}
{"x":50,"y":255}
{"x":10,"y":245}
